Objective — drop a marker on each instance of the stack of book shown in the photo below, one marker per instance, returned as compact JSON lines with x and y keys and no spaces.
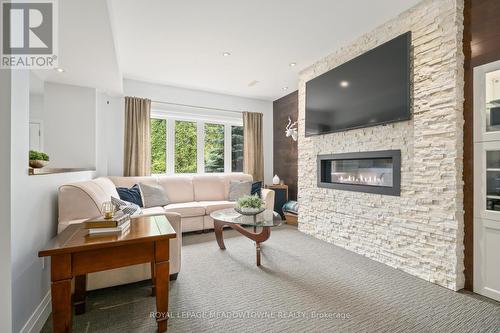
{"x":98,"y":225}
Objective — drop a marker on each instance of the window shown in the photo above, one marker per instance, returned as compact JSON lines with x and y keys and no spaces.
{"x":158,"y":145}
{"x":214,"y":148}
{"x":237,"y":148}
{"x":185,"y":147}
{"x":181,"y":144}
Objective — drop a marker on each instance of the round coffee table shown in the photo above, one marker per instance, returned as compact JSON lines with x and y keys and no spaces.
{"x":231,"y":218}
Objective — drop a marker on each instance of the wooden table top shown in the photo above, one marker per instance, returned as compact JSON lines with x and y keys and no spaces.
{"x":75,"y":238}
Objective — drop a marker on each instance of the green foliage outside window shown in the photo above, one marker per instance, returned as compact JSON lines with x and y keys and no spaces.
{"x":158,"y":145}
{"x":185,"y":147}
{"x":237,"y":148}
{"x":214,"y":148}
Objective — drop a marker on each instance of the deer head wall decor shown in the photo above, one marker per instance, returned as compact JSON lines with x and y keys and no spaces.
{"x":291,"y":130}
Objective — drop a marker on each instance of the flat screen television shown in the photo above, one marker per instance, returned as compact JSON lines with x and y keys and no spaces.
{"x":371,"y":89}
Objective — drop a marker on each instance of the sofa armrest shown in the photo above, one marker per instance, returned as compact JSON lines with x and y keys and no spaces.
{"x":176,"y":243}
{"x":268,"y":197}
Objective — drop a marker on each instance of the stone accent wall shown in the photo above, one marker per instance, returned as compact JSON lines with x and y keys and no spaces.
{"x":420,"y":232}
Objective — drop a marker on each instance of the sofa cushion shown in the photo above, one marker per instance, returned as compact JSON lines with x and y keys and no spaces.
{"x":131,"y":181}
{"x":186,"y":209}
{"x":153,"y":211}
{"x":212,"y":206}
{"x":177,"y":188}
{"x":209,"y":187}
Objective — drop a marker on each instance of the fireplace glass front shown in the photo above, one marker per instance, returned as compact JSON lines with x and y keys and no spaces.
{"x":372,"y":172}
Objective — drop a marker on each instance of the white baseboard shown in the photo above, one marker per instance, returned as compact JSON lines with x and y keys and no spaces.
{"x":39,"y":316}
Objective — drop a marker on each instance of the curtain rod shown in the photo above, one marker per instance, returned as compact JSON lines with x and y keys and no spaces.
{"x":197,"y":106}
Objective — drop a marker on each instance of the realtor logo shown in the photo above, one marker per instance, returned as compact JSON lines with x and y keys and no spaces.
{"x":29,"y":34}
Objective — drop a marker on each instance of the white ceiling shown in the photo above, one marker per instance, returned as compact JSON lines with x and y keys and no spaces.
{"x":181,"y":42}
{"x":86,"y":47}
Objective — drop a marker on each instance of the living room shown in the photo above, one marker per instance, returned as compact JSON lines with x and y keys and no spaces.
{"x":266,"y":166}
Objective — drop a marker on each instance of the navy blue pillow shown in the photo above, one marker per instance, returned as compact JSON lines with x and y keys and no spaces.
{"x":132,"y":194}
{"x":256,"y":189}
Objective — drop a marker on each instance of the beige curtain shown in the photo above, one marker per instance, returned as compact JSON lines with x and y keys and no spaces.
{"x":137,"y":150}
{"x":253,"y":156}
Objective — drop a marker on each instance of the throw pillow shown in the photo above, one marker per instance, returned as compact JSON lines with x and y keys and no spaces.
{"x":127,"y":207}
{"x":239,"y":189}
{"x":132,"y":194}
{"x":153,"y":195}
{"x":256,"y":189}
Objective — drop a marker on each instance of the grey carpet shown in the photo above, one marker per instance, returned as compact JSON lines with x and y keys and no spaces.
{"x":301,"y":278}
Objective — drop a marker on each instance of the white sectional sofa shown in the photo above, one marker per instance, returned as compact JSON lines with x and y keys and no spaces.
{"x":191,"y":200}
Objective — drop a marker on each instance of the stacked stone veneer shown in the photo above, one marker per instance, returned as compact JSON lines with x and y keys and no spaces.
{"x":421,"y":231}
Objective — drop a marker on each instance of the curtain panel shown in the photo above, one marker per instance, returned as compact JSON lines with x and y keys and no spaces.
{"x":137,"y":145}
{"x":253,"y":156}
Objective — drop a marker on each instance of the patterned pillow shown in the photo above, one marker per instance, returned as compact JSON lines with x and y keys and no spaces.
{"x":291,"y":207}
{"x":127,"y":207}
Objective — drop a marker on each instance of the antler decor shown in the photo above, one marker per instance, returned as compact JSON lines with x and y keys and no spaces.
{"x":291,"y":130}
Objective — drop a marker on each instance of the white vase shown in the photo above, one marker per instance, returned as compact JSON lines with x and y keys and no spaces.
{"x":276,"y":180}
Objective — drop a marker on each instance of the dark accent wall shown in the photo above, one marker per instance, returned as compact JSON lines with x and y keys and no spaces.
{"x":285,"y":149}
{"x":481,"y":46}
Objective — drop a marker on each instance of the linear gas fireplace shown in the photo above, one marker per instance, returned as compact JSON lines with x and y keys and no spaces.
{"x":372,"y":172}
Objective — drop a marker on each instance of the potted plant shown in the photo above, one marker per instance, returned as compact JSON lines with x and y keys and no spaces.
{"x":38,"y":159}
{"x":250,"y":204}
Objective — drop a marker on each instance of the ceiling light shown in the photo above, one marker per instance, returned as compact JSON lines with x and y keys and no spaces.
{"x":285,"y":88}
{"x":293,"y":64}
{"x":59,"y":70}
{"x":226,"y":54}
{"x":344,"y":84}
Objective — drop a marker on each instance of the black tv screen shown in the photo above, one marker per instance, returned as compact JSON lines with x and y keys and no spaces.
{"x":369,"y":90}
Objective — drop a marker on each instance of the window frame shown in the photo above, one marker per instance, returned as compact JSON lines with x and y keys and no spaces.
{"x":200,"y":120}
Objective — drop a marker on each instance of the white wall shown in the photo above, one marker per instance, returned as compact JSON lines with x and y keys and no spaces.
{"x":110,"y":124}
{"x":33,"y":214}
{"x":5,"y":203}
{"x":170,"y":94}
{"x":70,"y":112}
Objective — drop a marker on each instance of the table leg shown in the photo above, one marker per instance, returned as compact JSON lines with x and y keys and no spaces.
{"x":79,"y":296}
{"x":61,"y":293}
{"x":218,"y":234}
{"x":162,"y":271}
{"x":153,"y":279}
{"x":257,"y":248}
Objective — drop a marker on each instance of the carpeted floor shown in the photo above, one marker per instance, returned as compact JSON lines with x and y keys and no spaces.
{"x":304,"y":285}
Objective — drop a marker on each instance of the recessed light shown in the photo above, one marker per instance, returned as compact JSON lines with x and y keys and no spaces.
{"x":226,"y":54}
{"x":285,"y":88}
{"x":344,"y":84}
{"x":59,"y":70}
{"x":293,"y":64}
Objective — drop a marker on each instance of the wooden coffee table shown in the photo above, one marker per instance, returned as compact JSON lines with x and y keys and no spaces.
{"x":229,"y":217}
{"x":75,"y":254}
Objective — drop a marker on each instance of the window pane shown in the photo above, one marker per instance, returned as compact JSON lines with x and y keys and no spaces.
{"x":214,"y":148}
{"x":158,"y":145}
{"x":237,"y":148}
{"x":185,"y":147}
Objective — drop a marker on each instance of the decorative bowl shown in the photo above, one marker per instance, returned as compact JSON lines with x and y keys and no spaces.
{"x":249,"y":211}
{"x":36,"y":164}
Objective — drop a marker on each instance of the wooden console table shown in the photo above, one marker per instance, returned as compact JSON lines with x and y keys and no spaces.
{"x":75,"y":254}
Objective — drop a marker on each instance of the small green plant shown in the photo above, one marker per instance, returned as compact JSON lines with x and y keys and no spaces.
{"x":38,"y":156}
{"x":249,"y":201}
